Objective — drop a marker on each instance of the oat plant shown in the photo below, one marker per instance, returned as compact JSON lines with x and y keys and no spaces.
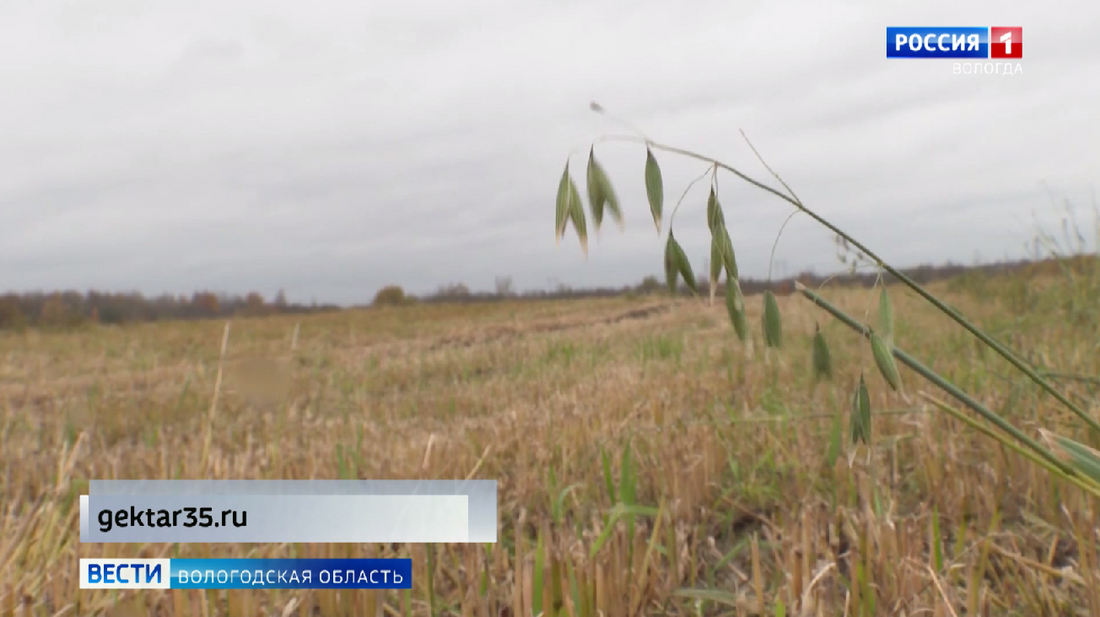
{"x":1057,"y":452}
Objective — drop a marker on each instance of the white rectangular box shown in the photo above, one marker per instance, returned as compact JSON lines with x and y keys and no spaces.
{"x":278,"y":519}
{"x":481,"y":503}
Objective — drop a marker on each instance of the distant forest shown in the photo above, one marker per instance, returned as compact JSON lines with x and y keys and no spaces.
{"x":73,"y":308}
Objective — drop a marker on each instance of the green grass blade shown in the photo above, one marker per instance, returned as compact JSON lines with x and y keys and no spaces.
{"x":537,"y":585}
{"x":937,"y":541}
{"x":834,"y":441}
{"x":609,"y":482}
{"x":614,"y":516}
{"x":709,"y":595}
{"x":1084,"y":458}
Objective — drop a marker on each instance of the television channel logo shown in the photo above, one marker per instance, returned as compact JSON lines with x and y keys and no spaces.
{"x":1006,"y":42}
{"x":920,"y":42}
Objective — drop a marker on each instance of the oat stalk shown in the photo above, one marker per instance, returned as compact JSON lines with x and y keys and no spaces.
{"x":1050,"y":459}
{"x":789,"y":196}
{"x":1082,"y":464}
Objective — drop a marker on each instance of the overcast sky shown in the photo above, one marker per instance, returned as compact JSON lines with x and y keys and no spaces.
{"x":332,"y":148}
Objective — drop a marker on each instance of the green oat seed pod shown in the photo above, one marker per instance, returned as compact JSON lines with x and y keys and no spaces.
{"x":735,"y":305}
{"x":654,"y":187}
{"x":822,"y":362}
{"x":884,"y":358}
{"x":773,"y":324}
{"x":860,"y":419}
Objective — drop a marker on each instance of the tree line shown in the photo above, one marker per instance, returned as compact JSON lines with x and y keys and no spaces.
{"x":394,"y":295}
{"x":72,"y":308}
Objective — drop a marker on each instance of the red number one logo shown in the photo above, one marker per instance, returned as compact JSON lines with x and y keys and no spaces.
{"x":1006,"y":42}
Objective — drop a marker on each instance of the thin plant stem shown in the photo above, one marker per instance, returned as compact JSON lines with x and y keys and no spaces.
{"x":1081,"y":483}
{"x":775,"y":245}
{"x":679,"y":202}
{"x":943,"y":384}
{"x":208,"y":428}
{"x":1003,"y":351}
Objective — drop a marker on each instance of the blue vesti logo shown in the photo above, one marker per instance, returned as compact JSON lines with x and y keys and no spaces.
{"x":122,"y":573}
{"x":939,"y":43}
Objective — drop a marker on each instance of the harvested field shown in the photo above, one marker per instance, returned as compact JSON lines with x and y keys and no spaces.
{"x":574,"y":406}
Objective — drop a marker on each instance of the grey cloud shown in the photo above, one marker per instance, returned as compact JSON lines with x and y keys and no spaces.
{"x":257,"y":145}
